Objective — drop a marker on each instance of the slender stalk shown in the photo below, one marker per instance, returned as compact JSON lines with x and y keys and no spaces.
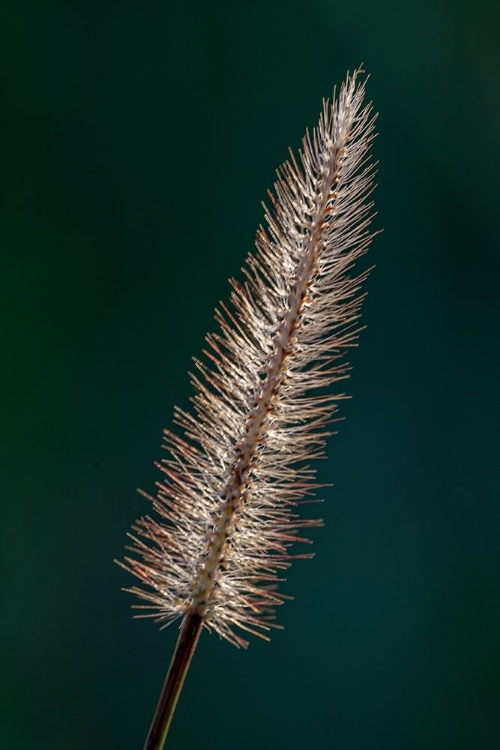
{"x":184,"y":650}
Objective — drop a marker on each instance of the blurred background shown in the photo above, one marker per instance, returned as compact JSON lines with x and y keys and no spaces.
{"x":139,"y":140}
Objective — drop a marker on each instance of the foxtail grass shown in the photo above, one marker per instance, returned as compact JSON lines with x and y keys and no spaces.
{"x":226,"y":517}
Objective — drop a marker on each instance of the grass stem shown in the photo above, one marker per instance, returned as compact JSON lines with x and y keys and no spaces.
{"x":184,"y":650}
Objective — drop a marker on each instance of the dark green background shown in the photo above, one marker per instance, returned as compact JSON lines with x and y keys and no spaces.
{"x":138,"y":142}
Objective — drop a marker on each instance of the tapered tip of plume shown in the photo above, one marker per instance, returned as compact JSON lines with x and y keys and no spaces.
{"x":226,"y":510}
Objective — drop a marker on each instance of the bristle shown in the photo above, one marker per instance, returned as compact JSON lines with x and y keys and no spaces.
{"x":230,"y":488}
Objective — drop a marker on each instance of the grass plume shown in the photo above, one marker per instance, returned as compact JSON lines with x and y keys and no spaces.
{"x":226,"y":510}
